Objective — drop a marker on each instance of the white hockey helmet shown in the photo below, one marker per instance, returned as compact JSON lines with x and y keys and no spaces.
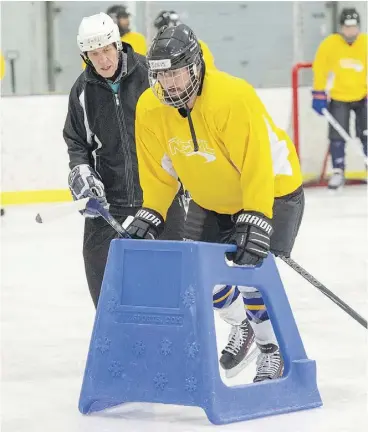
{"x":97,"y":31}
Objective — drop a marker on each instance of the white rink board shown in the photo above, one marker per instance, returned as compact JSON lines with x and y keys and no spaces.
{"x":34,"y":153}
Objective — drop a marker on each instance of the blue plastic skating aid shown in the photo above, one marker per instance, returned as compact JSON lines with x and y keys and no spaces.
{"x":154,"y":335}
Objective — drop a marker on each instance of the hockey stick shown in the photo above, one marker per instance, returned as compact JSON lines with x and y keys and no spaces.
{"x":93,"y":204}
{"x":57,"y":211}
{"x":312,"y":280}
{"x":344,"y":135}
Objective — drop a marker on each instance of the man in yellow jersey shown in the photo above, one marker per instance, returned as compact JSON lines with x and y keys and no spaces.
{"x":344,"y":55}
{"x":121,"y":17}
{"x":211,"y":130}
{"x":171,"y":19}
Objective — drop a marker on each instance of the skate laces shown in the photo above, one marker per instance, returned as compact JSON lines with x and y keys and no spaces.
{"x":237,"y":337}
{"x":268,"y":364}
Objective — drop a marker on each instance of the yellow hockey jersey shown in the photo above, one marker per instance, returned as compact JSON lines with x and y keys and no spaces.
{"x":2,"y":66}
{"x":137,"y":41}
{"x":244,"y":161}
{"x":347,"y":63}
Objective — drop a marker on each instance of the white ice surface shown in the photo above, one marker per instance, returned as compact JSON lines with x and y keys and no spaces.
{"x":47,"y":316}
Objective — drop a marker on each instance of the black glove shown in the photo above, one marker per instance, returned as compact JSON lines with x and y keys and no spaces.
{"x":251,"y":234}
{"x":147,"y":224}
{"x":83,"y":183}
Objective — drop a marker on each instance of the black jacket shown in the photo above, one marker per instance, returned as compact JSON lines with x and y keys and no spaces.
{"x":99,"y":129}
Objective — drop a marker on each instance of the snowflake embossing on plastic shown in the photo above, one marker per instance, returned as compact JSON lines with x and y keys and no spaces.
{"x":139,"y":348}
{"x":103,"y":344}
{"x":112,"y":305}
{"x":188,"y":298}
{"x":192,"y":350}
{"x":166,"y":347}
{"x":191,"y":384}
{"x":160,"y":381}
{"x":116,"y":369}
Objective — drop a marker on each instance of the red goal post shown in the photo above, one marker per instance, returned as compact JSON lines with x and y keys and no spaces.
{"x":310,"y":135}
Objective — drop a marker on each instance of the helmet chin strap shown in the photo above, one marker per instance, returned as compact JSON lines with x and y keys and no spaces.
{"x":86,"y":60}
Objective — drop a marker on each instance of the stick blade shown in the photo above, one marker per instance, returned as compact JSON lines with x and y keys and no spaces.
{"x":57,"y":211}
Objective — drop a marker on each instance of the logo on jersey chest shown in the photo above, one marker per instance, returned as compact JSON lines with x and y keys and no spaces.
{"x":350,"y":63}
{"x":186,"y":148}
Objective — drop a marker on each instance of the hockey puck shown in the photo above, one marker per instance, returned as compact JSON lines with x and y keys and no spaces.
{"x":38,"y":218}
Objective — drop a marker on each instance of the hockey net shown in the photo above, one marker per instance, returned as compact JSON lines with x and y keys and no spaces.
{"x":310,"y":134}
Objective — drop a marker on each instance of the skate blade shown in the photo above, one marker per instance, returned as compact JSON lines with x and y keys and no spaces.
{"x":335,"y":191}
{"x":233,"y":372}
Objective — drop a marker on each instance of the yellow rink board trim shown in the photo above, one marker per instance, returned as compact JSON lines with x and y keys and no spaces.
{"x":351,"y":175}
{"x":36,"y":196}
{"x":62,"y":195}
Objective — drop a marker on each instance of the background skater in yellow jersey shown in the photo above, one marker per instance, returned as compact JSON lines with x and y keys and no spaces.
{"x":121,"y":17}
{"x":345,"y":56}
{"x":211,"y":130}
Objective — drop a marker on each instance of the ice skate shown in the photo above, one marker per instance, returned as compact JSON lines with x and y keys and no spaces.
{"x":337,"y":180}
{"x":238,"y":354}
{"x":269,"y":363}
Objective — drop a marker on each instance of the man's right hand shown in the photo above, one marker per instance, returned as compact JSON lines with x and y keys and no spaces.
{"x":147,"y":224}
{"x":83,"y":183}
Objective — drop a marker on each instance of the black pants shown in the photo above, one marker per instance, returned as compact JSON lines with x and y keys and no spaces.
{"x":98,"y":235}
{"x":208,"y":226}
{"x":341,"y":111}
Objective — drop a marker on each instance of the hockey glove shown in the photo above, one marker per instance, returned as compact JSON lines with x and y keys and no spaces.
{"x":147,"y":224}
{"x":83,"y":183}
{"x":319,"y":101}
{"x":251,"y":234}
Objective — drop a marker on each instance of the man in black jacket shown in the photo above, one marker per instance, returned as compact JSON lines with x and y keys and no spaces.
{"x":100,"y":135}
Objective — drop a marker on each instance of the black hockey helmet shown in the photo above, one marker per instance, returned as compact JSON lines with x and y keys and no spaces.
{"x":175,"y":65}
{"x":349,"y":17}
{"x":166,"y":18}
{"x":349,"y":21}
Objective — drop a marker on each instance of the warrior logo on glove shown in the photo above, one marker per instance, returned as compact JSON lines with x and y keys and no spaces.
{"x":251,"y":235}
{"x":147,"y":224}
{"x":149,"y":217}
{"x":255,"y":220}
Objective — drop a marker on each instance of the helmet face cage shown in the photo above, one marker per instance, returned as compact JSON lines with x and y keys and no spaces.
{"x":175,"y":87}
